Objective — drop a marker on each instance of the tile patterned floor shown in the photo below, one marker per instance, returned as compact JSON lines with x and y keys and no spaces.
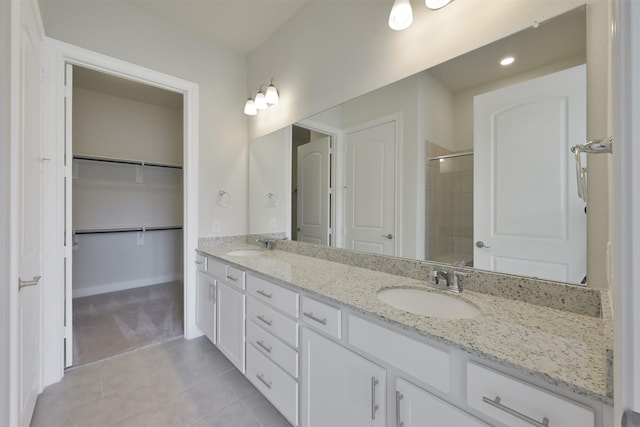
{"x":178,"y":383}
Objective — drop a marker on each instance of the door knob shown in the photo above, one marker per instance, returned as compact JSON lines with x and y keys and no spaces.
{"x":387,"y":236}
{"x":480,"y":244}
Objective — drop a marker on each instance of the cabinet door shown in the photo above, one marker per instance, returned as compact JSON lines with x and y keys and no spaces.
{"x":340,"y":388}
{"x":417,"y":408}
{"x":206,"y":305}
{"x":231,"y":311}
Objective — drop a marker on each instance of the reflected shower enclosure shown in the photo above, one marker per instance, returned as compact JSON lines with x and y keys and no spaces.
{"x":449,"y":217}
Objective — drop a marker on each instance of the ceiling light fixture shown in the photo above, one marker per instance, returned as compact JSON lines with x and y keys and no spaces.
{"x":401,"y":15}
{"x":436,"y":4}
{"x":507,"y":60}
{"x":262,"y":100}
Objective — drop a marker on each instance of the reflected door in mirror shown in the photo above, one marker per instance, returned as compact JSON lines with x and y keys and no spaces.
{"x":313,"y":192}
{"x":527,"y":212}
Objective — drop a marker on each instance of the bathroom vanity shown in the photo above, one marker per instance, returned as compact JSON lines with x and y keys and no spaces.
{"x":317,"y":340}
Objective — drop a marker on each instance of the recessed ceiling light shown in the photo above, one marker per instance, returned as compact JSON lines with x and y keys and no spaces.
{"x":507,"y":60}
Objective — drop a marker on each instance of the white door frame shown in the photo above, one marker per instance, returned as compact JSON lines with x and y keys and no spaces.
{"x":625,"y":206}
{"x":59,"y":54}
{"x":397,"y":227}
{"x":337,"y":166}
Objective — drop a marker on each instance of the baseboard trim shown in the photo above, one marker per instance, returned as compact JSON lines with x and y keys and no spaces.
{"x":121,"y":286}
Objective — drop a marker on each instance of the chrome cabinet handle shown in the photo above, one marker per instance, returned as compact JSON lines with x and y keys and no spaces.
{"x":26,"y":283}
{"x":212,"y":292}
{"x":480,"y":244}
{"x":198,"y":262}
{"x":374,"y":407}
{"x":264,"y":346}
{"x":496,"y":404}
{"x":261,"y":317}
{"x":387,"y":236}
{"x":263,"y":380}
{"x":235,"y":279}
{"x":399,"y":397}
{"x":317,"y":319}
{"x":264,"y":293}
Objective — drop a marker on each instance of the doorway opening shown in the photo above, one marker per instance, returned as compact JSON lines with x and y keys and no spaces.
{"x":124,"y":205}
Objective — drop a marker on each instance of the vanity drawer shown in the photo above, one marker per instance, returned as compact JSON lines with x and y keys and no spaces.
{"x":201,"y":262}
{"x":423,"y":362}
{"x":270,"y":346}
{"x":322,"y":317}
{"x":235,"y":277}
{"x":518,"y":400}
{"x":277,"y":296}
{"x":278,"y":387}
{"x":278,"y":324}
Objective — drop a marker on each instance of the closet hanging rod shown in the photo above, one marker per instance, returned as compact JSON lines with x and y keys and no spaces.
{"x":126,"y":229}
{"x":124,"y":161}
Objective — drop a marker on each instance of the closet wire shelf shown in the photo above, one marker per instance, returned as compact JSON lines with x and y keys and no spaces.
{"x":124,"y":161}
{"x":126,"y":229}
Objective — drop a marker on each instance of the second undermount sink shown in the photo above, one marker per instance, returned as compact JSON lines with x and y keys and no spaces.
{"x":427,"y":303}
{"x":245,"y":252}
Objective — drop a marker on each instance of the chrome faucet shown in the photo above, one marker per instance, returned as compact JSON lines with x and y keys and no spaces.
{"x":450,"y":280}
{"x":266,"y":243}
{"x":456,"y":283}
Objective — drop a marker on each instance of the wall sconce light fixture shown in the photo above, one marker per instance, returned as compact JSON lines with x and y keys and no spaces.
{"x":401,"y":15}
{"x":262,"y":100}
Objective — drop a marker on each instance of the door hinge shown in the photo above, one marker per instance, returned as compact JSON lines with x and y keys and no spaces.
{"x":68,"y":251}
{"x":67,"y":332}
{"x":68,"y":171}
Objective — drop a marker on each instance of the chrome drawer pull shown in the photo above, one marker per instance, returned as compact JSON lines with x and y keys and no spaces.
{"x":374,"y":407}
{"x":25,"y":283}
{"x":264,"y":346}
{"x":261,"y":317}
{"x":399,"y":397}
{"x":235,"y":279}
{"x":496,"y":404}
{"x":264,"y":294}
{"x":263,"y":380}
{"x":317,"y":319}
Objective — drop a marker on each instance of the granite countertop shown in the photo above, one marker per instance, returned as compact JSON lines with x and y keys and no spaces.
{"x":564,"y":349}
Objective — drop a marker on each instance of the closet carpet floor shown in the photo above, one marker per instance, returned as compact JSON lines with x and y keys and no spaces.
{"x":113,"y":323}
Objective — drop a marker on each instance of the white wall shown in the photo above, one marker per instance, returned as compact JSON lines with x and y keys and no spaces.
{"x":5,"y":10}
{"x":144,"y":131}
{"x":125,"y":32}
{"x":270,"y":172}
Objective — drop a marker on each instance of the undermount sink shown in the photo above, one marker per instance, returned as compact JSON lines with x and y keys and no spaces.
{"x":427,"y":303}
{"x":245,"y":252}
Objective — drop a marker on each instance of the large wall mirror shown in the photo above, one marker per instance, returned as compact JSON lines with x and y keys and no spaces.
{"x":466,"y":163}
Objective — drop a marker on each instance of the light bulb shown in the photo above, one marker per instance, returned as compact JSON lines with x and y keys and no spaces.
{"x":261,"y":102}
{"x":401,"y":15}
{"x":250,"y":108}
{"x":507,"y":60}
{"x":436,"y":4}
{"x":271,"y":96}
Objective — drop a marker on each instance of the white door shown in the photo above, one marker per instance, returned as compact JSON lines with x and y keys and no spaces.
{"x":313,"y":191}
{"x":528,"y":218}
{"x":340,"y":388}
{"x":370,"y":189}
{"x":230,"y":336}
{"x":417,"y":408}
{"x":206,"y":305}
{"x":27,"y":39}
{"x":68,"y":210}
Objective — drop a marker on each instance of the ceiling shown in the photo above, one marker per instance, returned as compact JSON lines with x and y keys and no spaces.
{"x":238,"y":25}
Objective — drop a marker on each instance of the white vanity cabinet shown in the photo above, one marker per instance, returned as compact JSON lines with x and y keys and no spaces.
{"x":231,"y":313}
{"x":272,"y":344}
{"x":206,"y":305}
{"x":220,"y":307}
{"x":414,"y":407}
{"x":340,"y":387}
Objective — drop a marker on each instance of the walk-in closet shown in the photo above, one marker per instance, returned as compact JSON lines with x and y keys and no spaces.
{"x":127,"y":215}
